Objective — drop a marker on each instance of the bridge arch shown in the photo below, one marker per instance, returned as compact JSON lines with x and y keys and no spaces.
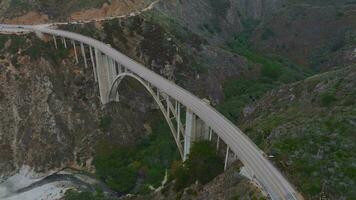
{"x":113,"y":96}
{"x":266,"y":175}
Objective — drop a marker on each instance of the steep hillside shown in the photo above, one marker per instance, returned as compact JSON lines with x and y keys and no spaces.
{"x":250,"y":58}
{"x":50,"y":114}
{"x":318,"y":34}
{"x":308,"y":128}
{"x":39,"y":11}
{"x":230,"y":185}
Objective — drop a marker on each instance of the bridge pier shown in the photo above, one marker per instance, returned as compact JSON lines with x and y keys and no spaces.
{"x":93,"y":64}
{"x":64,"y":42}
{"x":189,"y":135}
{"x":195,"y":130}
{"x":226,"y":157}
{"x":103,"y":79}
{"x":55,"y":41}
{"x":75,"y":52}
{"x":84,"y":55}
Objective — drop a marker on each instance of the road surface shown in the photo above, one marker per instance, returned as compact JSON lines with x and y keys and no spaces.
{"x":266,"y":175}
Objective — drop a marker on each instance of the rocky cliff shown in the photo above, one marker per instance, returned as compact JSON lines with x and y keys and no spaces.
{"x":50,"y":114}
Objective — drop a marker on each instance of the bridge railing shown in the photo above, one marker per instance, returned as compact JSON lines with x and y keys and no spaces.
{"x":264,"y":173}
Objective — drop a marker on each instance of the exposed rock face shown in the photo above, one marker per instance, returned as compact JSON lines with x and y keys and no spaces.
{"x":258,"y":9}
{"x":50,"y":114}
{"x":215,"y":20}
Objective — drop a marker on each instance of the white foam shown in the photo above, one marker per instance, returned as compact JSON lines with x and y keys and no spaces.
{"x":25,"y":177}
{"x":50,"y":191}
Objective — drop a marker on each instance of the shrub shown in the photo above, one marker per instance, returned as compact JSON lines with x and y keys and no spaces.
{"x":220,"y":6}
{"x":105,"y":122}
{"x":113,"y":166}
{"x":120,"y":167}
{"x":271,"y":70}
{"x":327,"y":99}
{"x":202,"y":165}
{"x":267,"y":34}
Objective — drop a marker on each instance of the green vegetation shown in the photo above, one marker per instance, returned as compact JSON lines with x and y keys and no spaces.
{"x":220,"y":6}
{"x":3,"y":39}
{"x":327,"y":99}
{"x":267,"y":33}
{"x":238,"y":93}
{"x":220,"y":9}
{"x":344,"y":39}
{"x":31,"y":46}
{"x":273,"y":68}
{"x":312,"y":138}
{"x":202,"y":165}
{"x":16,"y":44}
{"x":313,"y":156}
{"x":105,"y":122}
{"x":273,"y":72}
{"x":121,"y":168}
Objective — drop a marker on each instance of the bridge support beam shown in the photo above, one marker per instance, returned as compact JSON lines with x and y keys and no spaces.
{"x":55,"y":41}
{"x":84,"y":55}
{"x":75,"y":52}
{"x":195,"y":129}
{"x":103,"y":79}
{"x":93,"y":64}
{"x":226,"y":157}
{"x":64,"y":42}
{"x":189,"y":135}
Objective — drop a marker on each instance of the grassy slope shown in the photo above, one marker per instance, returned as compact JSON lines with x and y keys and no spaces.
{"x":266,"y":73}
{"x":317,"y":33}
{"x":309,"y":128}
{"x":314,"y":150}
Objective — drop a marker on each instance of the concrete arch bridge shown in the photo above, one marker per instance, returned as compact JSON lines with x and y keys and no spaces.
{"x":202,"y":121}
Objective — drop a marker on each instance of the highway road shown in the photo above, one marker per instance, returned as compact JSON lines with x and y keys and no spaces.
{"x":266,"y":175}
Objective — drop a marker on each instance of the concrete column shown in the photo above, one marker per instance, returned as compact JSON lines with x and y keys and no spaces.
{"x":116,"y":65}
{"x":202,"y":129}
{"x":189,"y":135}
{"x":115,"y":72}
{"x":93,"y":64}
{"x":217,"y":143}
{"x":108,"y":70}
{"x":75,"y":51}
{"x":102,"y":71}
{"x":120,"y":68}
{"x":178,"y":121}
{"x":64,"y":42}
{"x":55,"y":41}
{"x":226,"y":157}
{"x":168,"y":112}
{"x":113,"y":69}
{"x":84,"y":56}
